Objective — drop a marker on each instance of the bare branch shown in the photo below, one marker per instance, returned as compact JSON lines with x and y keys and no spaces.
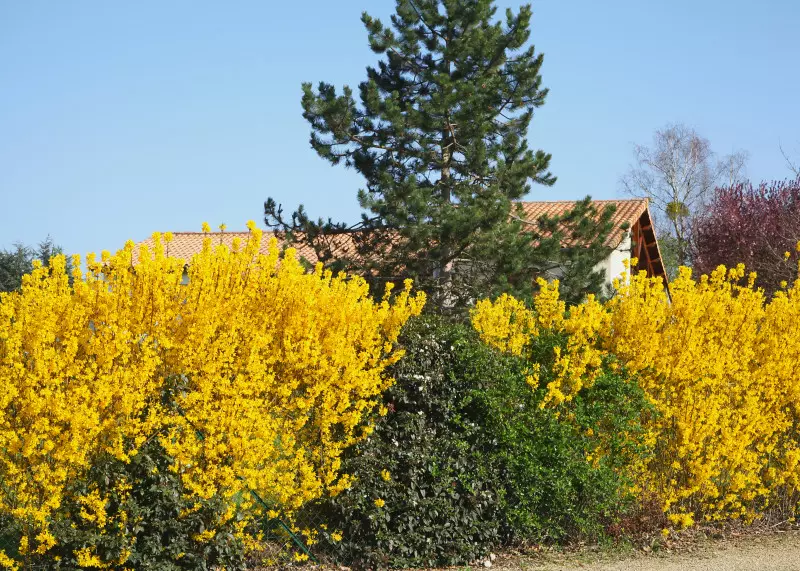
{"x":677,"y":174}
{"x":793,"y":166}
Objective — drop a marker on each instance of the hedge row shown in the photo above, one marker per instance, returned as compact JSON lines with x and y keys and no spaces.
{"x":467,"y":459}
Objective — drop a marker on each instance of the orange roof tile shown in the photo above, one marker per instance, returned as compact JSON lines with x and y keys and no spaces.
{"x":186,"y":244}
{"x":627,"y":212}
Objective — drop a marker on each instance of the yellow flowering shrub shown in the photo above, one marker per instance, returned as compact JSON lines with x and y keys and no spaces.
{"x":508,"y":325}
{"x":504,"y":323}
{"x":719,"y":361}
{"x":271,"y":372}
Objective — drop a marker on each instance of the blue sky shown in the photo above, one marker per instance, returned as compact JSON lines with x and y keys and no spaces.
{"x":121,"y":118}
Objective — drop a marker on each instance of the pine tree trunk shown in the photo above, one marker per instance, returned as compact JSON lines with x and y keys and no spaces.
{"x":445,"y":278}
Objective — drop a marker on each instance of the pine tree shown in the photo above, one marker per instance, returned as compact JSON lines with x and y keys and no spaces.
{"x":13,"y":265}
{"x":17,"y":262}
{"x":440,"y":136}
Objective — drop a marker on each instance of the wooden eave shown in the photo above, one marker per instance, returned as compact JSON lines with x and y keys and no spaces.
{"x":644,"y":247}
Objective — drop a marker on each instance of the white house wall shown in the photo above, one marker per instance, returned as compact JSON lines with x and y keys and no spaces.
{"x":614,"y":265}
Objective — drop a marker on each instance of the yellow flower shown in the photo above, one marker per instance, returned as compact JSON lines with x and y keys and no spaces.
{"x":385,"y":475}
{"x":46,"y":540}
{"x":204,"y":536}
{"x":716,"y":358}
{"x":7,"y":563}
{"x":336,"y":536}
{"x":86,"y":558}
{"x":379,"y":503}
{"x":206,"y":227}
{"x":682,"y":520}
{"x":85,"y":357}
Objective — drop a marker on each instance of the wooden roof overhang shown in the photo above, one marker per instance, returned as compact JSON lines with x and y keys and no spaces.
{"x":644,"y":247}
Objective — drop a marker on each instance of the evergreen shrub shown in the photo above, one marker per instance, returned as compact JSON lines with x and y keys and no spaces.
{"x":467,"y":460}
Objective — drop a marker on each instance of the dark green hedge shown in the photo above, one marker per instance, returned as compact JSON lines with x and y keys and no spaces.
{"x":475,"y":462}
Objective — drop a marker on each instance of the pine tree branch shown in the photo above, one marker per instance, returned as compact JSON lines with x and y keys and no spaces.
{"x":421,"y":19}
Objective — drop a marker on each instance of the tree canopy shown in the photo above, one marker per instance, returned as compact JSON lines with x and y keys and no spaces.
{"x":678,"y":174}
{"x":757,"y":225}
{"x":17,"y":262}
{"x":440,"y":135}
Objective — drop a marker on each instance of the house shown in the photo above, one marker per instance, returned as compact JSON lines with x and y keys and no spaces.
{"x":633,"y":237}
{"x":637,"y":241}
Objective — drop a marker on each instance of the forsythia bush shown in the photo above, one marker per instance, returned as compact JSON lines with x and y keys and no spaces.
{"x":719,"y":361}
{"x":253,"y":374}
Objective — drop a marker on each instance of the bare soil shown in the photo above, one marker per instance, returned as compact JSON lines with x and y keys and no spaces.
{"x":768,"y":550}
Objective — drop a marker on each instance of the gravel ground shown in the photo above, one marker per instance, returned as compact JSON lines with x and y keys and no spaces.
{"x":773,"y":552}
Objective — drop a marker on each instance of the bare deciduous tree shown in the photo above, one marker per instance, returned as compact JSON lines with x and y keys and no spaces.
{"x":793,"y":165}
{"x":677,"y":174}
{"x":733,"y":168}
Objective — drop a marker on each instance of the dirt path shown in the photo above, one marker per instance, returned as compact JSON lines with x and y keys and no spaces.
{"x":776,"y":552}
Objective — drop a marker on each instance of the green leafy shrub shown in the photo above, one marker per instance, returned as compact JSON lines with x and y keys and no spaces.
{"x":466,"y":459}
{"x":441,"y":505}
{"x":149,"y":523}
{"x":566,"y":472}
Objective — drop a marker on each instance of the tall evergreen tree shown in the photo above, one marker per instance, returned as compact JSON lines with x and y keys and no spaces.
{"x":440,"y":136}
{"x":17,"y":262}
{"x":13,"y":265}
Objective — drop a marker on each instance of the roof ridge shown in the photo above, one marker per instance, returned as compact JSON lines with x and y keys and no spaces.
{"x":579,"y":200}
{"x":214,"y":232}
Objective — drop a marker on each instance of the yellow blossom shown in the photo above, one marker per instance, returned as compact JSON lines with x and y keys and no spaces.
{"x":718,"y":360}
{"x":253,"y":340}
{"x":7,"y":563}
{"x":86,"y":558}
{"x":204,"y":536}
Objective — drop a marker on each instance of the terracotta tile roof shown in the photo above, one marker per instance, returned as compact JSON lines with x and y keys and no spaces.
{"x":187,"y":244}
{"x":628,"y":211}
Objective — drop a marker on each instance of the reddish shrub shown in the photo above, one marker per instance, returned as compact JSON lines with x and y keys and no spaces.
{"x":754,"y":225}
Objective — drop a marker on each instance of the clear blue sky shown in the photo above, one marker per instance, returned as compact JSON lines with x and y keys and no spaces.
{"x":121,"y":118}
